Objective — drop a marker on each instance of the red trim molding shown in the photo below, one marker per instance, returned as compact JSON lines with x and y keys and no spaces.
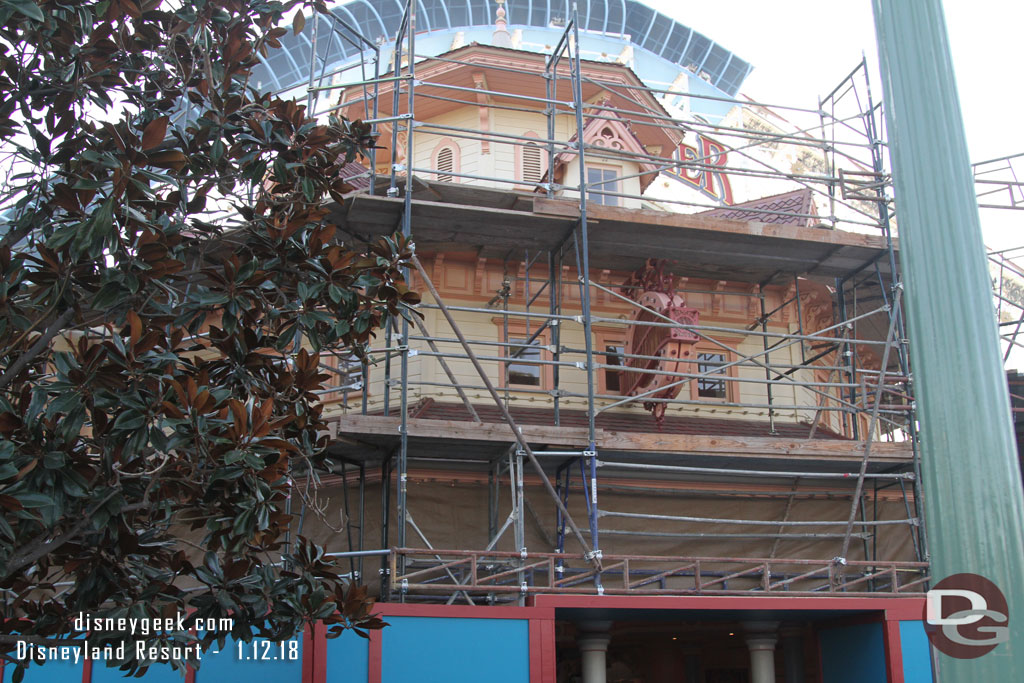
{"x":894,"y":608}
{"x":397,"y":609}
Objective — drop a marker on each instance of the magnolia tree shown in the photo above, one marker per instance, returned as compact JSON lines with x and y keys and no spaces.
{"x":168,"y":281}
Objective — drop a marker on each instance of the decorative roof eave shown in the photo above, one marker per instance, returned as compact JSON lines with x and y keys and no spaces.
{"x":622,"y":87}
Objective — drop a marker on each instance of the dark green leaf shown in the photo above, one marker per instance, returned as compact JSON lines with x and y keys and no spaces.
{"x":27,"y":7}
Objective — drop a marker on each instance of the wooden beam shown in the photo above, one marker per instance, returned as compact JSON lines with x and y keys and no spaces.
{"x":835,"y":450}
{"x":753,"y":446}
{"x":457,"y":430}
{"x":569,"y":208}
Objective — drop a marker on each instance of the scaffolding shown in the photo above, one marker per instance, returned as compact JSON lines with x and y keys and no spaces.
{"x":810,"y":375}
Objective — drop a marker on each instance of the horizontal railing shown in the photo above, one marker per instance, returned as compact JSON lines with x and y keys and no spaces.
{"x":488,"y":572}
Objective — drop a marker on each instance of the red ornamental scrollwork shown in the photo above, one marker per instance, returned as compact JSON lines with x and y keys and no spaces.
{"x":661,"y":350}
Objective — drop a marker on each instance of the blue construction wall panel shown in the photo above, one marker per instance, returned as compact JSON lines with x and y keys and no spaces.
{"x":55,"y":671}
{"x":348,"y":658}
{"x":158,"y":673}
{"x":853,"y":654}
{"x":437,"y":650}
{"x":917,"y":653}
{"x":260,"y":660}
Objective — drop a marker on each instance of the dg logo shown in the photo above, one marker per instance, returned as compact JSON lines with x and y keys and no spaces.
{"x":966,"y":616}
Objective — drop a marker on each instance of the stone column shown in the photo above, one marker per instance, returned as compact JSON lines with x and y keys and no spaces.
{"x":593,"y":642}
{"x":761,"y":640}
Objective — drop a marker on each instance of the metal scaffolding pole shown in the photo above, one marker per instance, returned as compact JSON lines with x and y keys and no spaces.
{"x":975,"y":506}
{"x":517,"y":433}
{"x":562,"y":68}
{"x":406,"y":227}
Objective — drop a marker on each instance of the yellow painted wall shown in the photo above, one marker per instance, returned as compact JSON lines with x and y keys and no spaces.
{"x":487,"y":325}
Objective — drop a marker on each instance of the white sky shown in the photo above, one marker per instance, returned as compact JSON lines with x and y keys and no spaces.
{"x":800,"y":49}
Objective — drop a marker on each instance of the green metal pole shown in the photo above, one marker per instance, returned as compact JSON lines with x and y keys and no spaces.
{"x":974,"y":504}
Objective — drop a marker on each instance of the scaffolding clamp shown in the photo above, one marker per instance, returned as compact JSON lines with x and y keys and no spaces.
{"x":839,"y":560}
{"x":589,"y":454}
{"x":522,"y":552}
{"x":523,"y":588}
{"x":593,"y":554}
{"x":389,"y":119}
{"x":405,"y":585}
{"x":600,"y":589}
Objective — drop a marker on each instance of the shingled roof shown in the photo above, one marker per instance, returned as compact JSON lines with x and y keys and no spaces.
{"x":356,"y":175}
{"x":789,"y":208}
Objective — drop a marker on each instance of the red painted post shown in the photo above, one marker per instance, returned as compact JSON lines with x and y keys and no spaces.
{"x":536,"y":651}
{"x":320,"y":648}
{"x":375,"y":658}
{"x":308,"y":654}
{"x":542,"y":650}
{"x":893,"y":650}
{"x":548,"y":648}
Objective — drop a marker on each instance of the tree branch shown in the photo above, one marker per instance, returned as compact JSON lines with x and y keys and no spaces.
{"x":40,"y":345}
{"x":42,"y":546}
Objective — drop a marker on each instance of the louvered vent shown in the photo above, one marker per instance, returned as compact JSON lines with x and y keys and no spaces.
{"x":531,"y":163}
{"x":445,"y":164}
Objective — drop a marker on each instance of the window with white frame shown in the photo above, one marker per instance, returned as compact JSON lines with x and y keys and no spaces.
{"x":603,"y":185}
{"x":527,"y":372}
